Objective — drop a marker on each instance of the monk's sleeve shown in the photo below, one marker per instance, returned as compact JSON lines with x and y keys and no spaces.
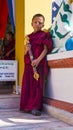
{"x":48,"y":42}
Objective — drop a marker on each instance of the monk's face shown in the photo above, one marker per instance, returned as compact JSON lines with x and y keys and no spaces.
{"x":37,"y":23}
{"x":8,"y":37}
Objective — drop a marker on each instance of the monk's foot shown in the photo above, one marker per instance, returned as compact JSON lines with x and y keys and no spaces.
{"x":36,"y":112}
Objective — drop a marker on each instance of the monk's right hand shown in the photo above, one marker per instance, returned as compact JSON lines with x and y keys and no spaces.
{"x":26,"y":40}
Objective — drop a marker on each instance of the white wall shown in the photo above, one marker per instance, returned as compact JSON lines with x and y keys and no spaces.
{"x":60,"y":85}
{"x":60,"y":81}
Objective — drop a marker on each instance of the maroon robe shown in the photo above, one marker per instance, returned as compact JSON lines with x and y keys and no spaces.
{"x":32,"y":90}
{"x":9,"y":47}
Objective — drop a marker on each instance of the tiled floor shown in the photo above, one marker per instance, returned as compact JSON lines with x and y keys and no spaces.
{"x":13,"y":119}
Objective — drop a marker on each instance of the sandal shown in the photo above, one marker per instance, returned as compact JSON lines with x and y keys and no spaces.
{"x":36,"y":112}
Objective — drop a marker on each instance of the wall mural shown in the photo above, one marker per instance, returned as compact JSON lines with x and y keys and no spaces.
{"x":62,"y":28}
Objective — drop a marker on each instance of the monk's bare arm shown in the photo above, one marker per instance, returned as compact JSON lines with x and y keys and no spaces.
{"x":42,"y":55}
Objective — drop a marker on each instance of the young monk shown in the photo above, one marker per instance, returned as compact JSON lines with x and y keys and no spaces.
{"x":40,"y":43}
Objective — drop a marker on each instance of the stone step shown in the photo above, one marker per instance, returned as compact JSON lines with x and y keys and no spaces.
{"x":6,"y":87}
{"x":6,"y":91}
{"x":9,"y":101}
{"x":35,"y":128}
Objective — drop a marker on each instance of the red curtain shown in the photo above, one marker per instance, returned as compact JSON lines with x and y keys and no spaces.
{"x":3,"y":17}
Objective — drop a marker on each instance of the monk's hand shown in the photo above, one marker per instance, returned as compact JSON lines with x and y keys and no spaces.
{"x":34,"y":63}
{"x":26,"y":40}
{"x":27,"y":48}
{"x":7,"y":54}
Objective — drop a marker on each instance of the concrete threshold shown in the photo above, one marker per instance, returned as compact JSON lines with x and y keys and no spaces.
{"x":60,"y":114}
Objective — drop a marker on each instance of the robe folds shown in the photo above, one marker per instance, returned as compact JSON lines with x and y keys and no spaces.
{"x":10,"y":48}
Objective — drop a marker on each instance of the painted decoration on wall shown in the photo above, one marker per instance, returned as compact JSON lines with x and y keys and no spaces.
{"x":55,"y":7}
{"x":62,"y":27}
{"x":69,"y":44}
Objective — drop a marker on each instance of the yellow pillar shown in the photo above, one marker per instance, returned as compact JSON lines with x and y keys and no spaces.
{"x":20,"y":38}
